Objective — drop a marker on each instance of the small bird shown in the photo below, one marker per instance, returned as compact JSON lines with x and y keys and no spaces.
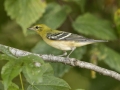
{"x":62,"y":40}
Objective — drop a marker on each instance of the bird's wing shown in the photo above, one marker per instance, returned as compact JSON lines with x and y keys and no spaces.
{"x":65,"y":36}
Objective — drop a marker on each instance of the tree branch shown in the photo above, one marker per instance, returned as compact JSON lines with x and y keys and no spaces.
{"x":69,"y":61}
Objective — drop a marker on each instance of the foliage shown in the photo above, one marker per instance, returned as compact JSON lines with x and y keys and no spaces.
{"x":53,"y":13}
{"x":98,"y":19}
{"x":91,"y":25}
{"x":25,"y":11}
{"x":37,"y":73}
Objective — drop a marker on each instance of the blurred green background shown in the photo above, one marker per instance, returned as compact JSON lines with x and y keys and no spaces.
{"x":97,"y":19}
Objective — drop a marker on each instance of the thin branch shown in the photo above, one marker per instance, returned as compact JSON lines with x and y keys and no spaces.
{"x":69,"y":61}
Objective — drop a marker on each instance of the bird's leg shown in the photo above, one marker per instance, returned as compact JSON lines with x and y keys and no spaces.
{"x":64,"y":54}
{"x":71,"y":51}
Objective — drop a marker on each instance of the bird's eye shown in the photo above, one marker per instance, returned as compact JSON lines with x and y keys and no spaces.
{"x":36,"y":27}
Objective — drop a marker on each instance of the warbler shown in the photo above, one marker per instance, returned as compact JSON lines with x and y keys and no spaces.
{"x":62,"y":40}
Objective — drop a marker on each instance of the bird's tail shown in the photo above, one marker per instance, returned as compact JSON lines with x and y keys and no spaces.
{"x":90,"y":41}
{"x":99,"y":41}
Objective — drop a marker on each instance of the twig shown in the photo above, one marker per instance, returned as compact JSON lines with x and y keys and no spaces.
{"x":69,"y":61}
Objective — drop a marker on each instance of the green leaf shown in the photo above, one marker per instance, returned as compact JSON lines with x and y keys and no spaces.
{"x":10,"y":71}
{"x":117,"y":20}
{"x":13,"y":86}
{"x":33,"y":68}
{"x":41,"y":76}
{"x":50,"y":83}
{"x":55,"y":15}
{"x":117,"y":17}
{"x":1,"y":86}
{"x":60,"y":69}
{"x":80,"y":3}
{"x":25,"y":12}
{"x":91,"y":25}
{"x":108,"y":55}
{"x":5,"y":57}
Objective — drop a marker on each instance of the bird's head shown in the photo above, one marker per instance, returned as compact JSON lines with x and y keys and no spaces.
{"x":40,"y":28}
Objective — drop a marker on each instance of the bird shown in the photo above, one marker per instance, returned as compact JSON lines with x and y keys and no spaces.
{"x":62,"y":40}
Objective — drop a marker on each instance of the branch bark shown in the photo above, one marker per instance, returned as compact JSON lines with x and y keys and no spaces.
{"x":69,"y":61}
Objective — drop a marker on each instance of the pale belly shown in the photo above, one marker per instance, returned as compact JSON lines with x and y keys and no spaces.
{"x":65,"y":45}
{"x":61,"y":44}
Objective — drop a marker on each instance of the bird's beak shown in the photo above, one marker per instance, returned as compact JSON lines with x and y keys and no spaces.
{"x":30,"y":28}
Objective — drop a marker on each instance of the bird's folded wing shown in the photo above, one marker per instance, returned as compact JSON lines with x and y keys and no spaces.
{"x":65,"y":36}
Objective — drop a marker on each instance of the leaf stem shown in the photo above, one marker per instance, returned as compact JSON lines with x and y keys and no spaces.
{"x":21,"y":81}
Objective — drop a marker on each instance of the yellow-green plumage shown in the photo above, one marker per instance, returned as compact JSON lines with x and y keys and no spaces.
{"x":62,"y":40}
